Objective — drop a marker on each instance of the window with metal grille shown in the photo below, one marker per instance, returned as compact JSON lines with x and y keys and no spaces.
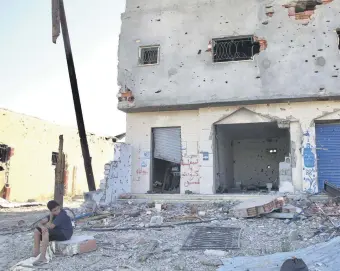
{"x":5,"y":152}
{"x":149,"y":55}
{"x":54,"y":158}
{"x":235,"y":49}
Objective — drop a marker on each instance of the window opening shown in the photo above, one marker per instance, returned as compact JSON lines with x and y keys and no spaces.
{"x":235,"y":48}
{"x":5,"y":153}
{"x":54,"y":158}
{"x":149,"y":55}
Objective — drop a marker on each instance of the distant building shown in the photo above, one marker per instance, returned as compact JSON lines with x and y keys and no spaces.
{"x":223,"y":96}
{"x":31,"y":145}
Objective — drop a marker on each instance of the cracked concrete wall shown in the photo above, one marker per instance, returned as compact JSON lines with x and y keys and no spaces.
{"x":301,"y":59}
{"x":197,"y":135}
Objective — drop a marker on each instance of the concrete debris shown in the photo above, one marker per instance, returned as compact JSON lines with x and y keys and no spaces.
{"x":322,"y":257}
{"x":156,"y":221}
{"x":280,"y":215}
{"x":6,"y":204}
{"x":77,"y":245}
{"x":144,"y":247}
{"x":218,"y":253}
{"x":256,"y":207}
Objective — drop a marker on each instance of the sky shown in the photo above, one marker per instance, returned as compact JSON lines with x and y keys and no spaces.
{"x":33,"y":71}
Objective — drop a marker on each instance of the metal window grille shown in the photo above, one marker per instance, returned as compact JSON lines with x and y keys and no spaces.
{"x":234,"y":49}
{"x":149,"y":55}
{"x":54,"y":158}
{"x":4,"y":153}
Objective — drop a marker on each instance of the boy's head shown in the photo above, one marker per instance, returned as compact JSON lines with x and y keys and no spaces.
{"x":54,"y":207}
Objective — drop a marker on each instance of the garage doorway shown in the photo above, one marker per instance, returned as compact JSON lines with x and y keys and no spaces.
{"x":248,"y":156}
{"x":166,"y":160}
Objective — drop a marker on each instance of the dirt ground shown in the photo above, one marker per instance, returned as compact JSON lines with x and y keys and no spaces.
{"x":151,"y":249}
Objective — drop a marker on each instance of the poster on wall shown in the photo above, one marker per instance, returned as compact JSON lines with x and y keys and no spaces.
{"x":205,"y":156}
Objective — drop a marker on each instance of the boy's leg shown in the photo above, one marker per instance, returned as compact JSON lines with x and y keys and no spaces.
{"x":37,"y":237}
{"x":44,"y":244}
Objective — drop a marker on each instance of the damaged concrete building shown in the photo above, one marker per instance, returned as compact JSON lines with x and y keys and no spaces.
{"x":226,"y":96}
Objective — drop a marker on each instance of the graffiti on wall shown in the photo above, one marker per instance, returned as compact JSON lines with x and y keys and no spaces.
{"x":309,"y":162}
{"x":190,"y":176}
{"x":143,"y":169}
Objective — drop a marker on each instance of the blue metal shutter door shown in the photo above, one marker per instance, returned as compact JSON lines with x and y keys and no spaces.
{"x":328,"y":153}
{"x":167,"y":144}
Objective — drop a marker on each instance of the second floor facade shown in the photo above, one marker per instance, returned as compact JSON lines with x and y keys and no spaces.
{"x":177,"y":54}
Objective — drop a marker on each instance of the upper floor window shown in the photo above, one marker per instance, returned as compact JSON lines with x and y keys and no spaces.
{"x":149,"y":55}
{"x":235,"y":48}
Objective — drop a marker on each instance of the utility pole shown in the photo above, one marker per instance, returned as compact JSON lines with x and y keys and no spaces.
{"x":59,"y":173}
{"x":59,"y":18}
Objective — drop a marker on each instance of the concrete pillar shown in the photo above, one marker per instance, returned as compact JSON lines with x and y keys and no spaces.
{"x":295,"y":144}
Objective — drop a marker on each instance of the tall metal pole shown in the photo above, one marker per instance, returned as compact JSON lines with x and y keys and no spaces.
{"x":76,"y":99}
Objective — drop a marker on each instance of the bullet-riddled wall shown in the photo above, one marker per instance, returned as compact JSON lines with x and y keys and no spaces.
{"x":31,"y":173}
{"x":197,"y":135}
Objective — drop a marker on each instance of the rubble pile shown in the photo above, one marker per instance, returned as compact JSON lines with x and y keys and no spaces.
{"x":149,"y":236}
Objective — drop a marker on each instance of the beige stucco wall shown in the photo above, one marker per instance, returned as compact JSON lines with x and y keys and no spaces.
{"x":197,"y":137}
{"x":31,"y":171}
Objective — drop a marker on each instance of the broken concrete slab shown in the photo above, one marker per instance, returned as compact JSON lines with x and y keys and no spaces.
{"x":76,"y":245}
{"x":256,"y":207}
{"x":322,"y":257}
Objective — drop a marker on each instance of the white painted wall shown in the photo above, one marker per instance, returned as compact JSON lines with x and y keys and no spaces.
{"x":300,"y":61}
{"x":197,"y":136}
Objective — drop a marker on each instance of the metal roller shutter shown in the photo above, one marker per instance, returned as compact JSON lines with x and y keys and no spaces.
{"x":328,"y":153}
{"x":167,"y":144}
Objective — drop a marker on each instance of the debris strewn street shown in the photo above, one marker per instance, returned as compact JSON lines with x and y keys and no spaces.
{"x":142,"y":236}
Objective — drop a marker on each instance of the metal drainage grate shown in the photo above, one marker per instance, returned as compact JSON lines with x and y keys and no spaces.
{"x":213,"y":238}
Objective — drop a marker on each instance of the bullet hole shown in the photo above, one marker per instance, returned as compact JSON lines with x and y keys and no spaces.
{"x":320,"y":50}
{"x":186,"y":33}
{"x":258,"y":77}
{"x":306,"y":60}
{"x":265,"y":22}
{"x":321,"y":89}
{"x":316,"y":71}
{"x":199,"y":52}
{"x":291,"y":40}
{"x":334,"y":76}
{"x":226,"y":22}
{"x":313,"y":55}
{"x":158,"y":20}
{"x":158,"y":91}
{"x":226,"y":82}
{"x":138,"y":6}
{"x":204,"y":80}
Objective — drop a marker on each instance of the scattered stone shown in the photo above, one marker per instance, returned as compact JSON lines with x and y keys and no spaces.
{"x":280,"y":215}
{"x":193,"y":209}
{"x":148,"y":212}
{"x":151,"y":204}
{"x":156,"y":221}
{"x":294,"y":235}
{"x":212,"y":262}
{"x":201,"y":213}
{"x":158,"y":207}
{"x":217,"y":253}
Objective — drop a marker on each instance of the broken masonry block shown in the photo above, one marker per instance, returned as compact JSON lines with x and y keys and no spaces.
{"x":76,"y":245}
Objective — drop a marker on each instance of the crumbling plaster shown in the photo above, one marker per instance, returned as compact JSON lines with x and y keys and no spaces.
{"x":301,"y":60}
{"x":198,"y":138}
